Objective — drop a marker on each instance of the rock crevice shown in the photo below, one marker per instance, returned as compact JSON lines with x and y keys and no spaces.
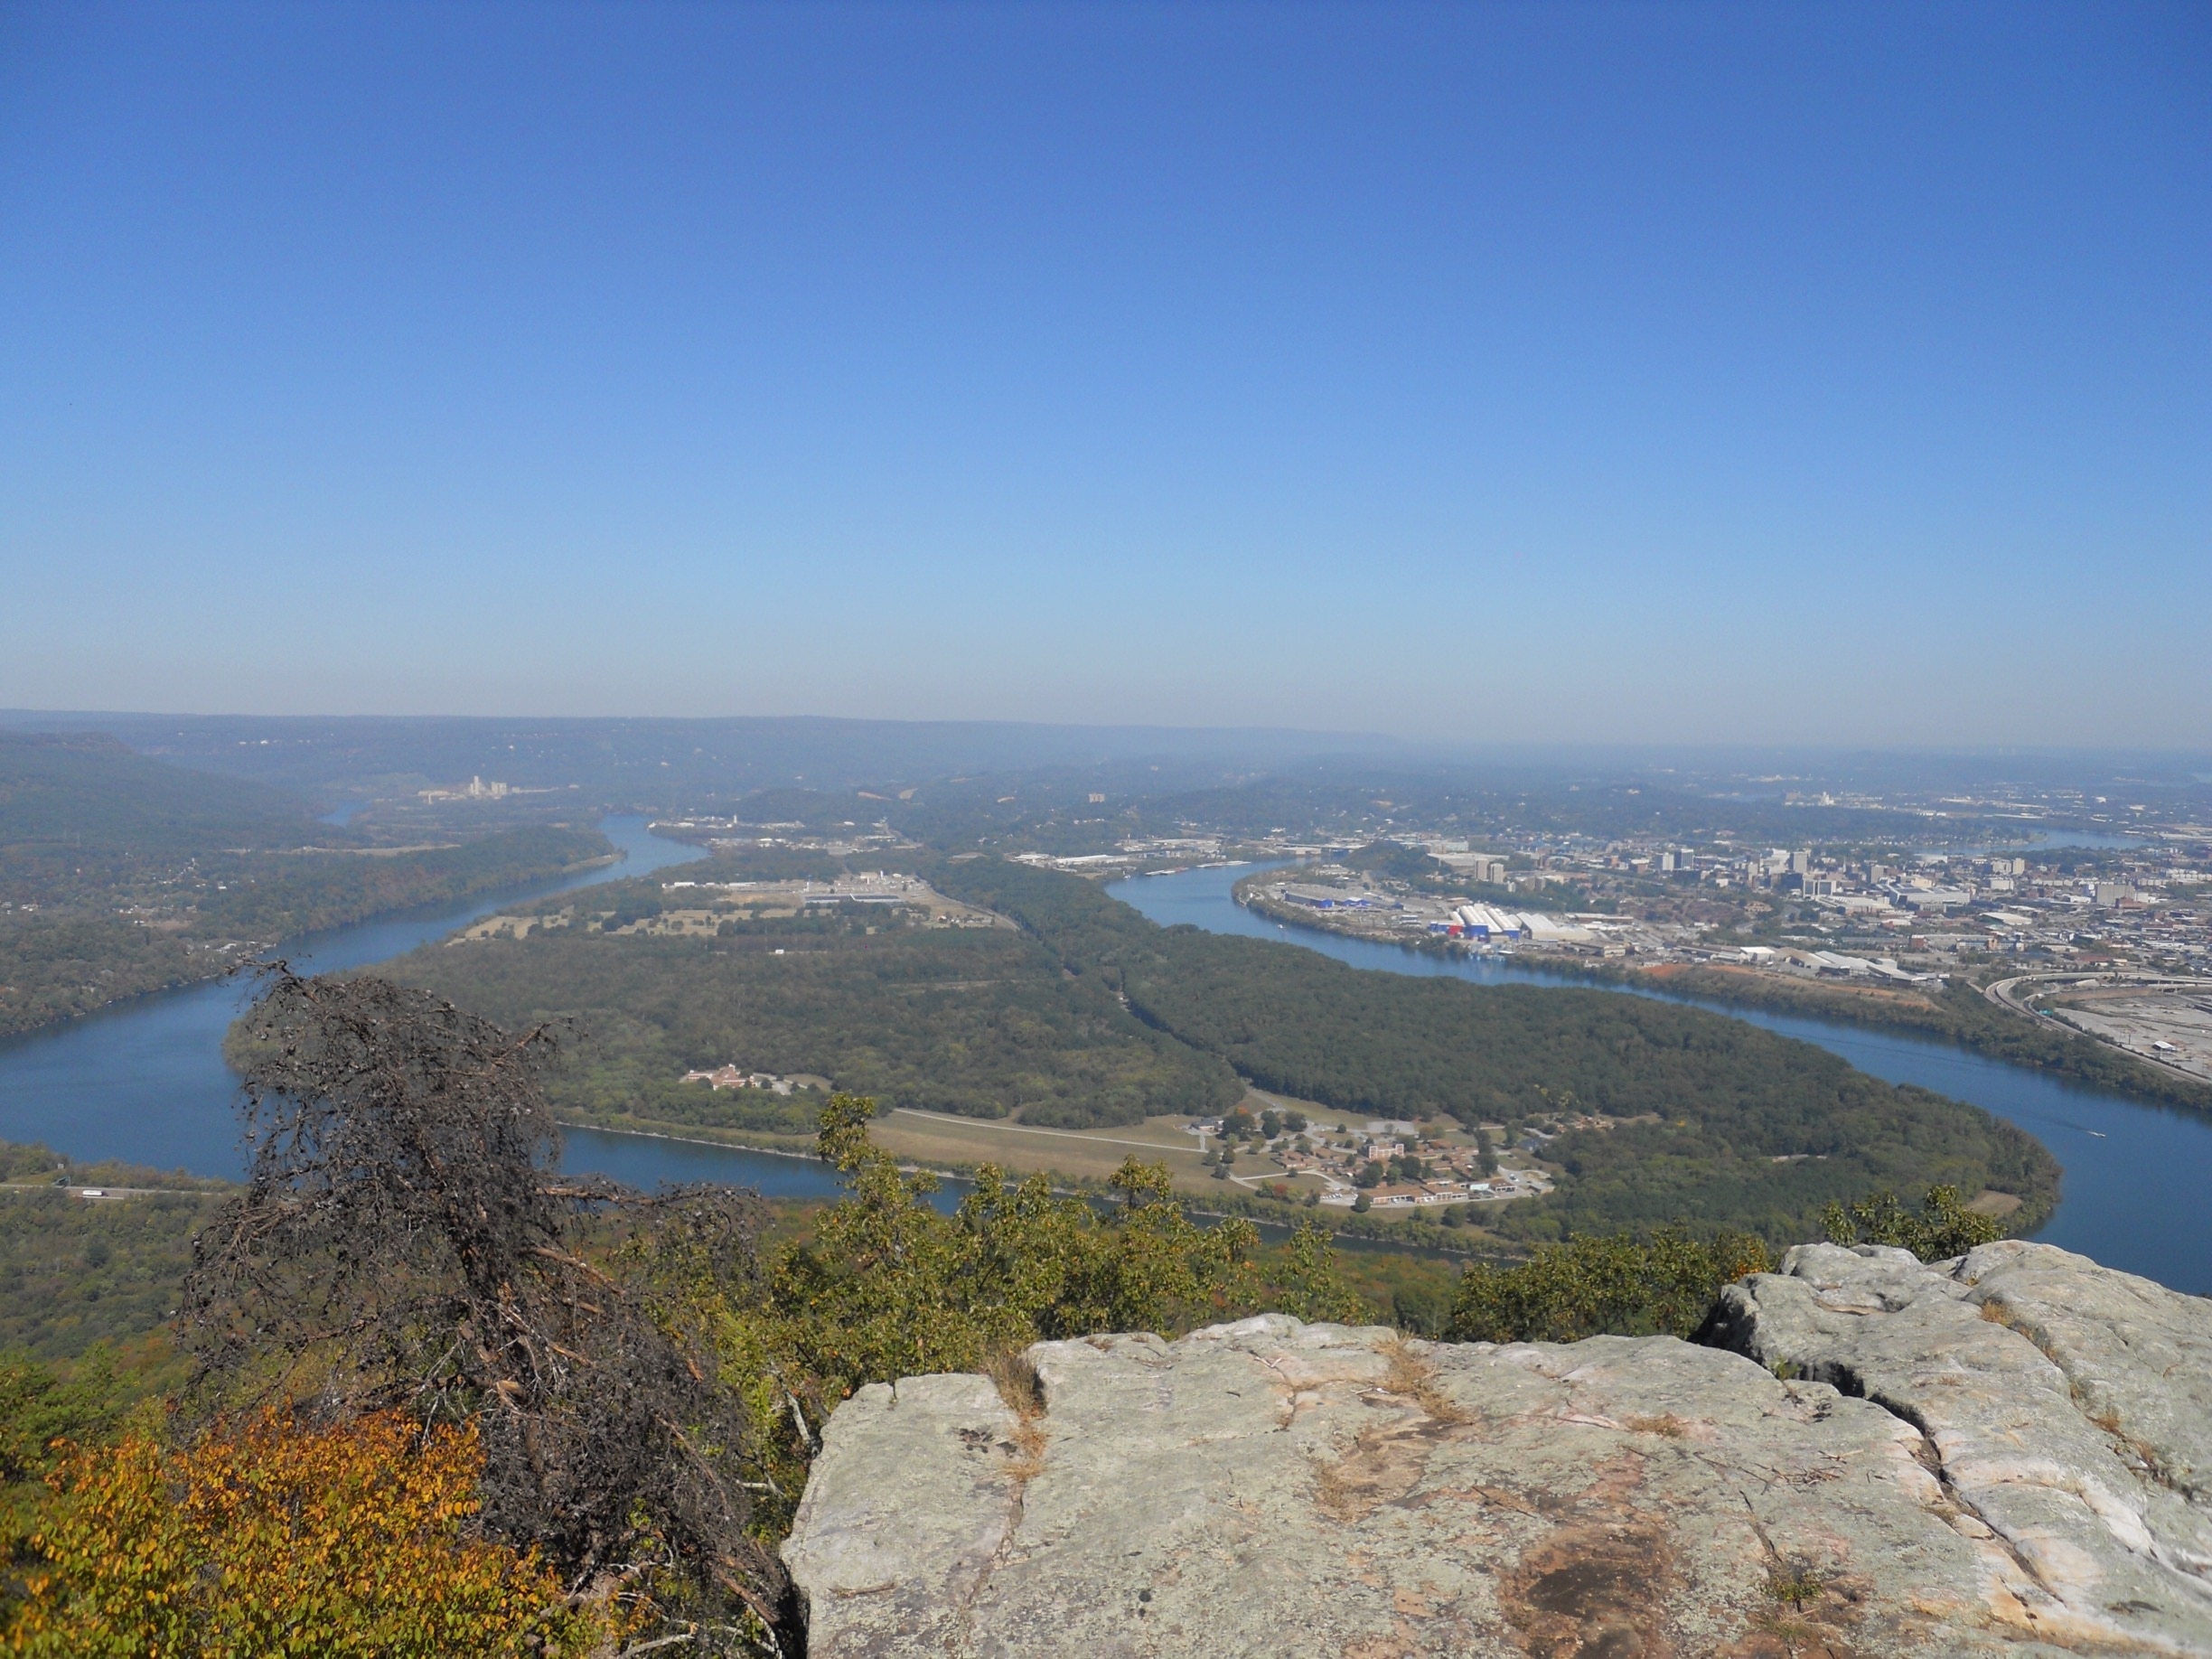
{"x":2069,"y":1408}
{"x":1870,"y":1462}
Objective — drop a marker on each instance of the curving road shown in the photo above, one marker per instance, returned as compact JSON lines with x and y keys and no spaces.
{"x":2016,"y":992}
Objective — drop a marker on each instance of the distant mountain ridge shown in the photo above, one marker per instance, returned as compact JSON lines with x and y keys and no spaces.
{"x":122,"y":874}
{"x":667,"y":761}
{"x":92,"y":792}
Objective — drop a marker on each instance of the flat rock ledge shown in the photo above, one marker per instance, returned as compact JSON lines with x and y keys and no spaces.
{"x":2007,"y":1453}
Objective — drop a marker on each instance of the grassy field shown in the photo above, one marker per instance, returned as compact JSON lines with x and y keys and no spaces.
{"x":1087,"y":1154}
{"x":942,"y":1141}
{"x":1084,"y":1154}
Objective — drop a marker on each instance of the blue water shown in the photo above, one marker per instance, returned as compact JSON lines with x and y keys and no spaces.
{"x":646,"y":1160}
{"x":2138,"y":1190}
{"x":145,"y":1080}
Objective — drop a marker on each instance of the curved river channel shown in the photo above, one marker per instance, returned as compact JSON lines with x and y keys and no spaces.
{"x":2138,"y":1188}
{"x":146,"y":1081}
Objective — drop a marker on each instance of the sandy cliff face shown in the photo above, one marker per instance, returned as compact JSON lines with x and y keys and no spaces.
{"x":2007,"y":1454}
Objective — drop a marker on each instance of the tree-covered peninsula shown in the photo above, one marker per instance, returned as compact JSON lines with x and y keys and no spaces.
{"x":1083,"y":1013}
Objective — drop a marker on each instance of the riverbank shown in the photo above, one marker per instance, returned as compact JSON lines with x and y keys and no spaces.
{"x":1958,"y":1014}
{"x":2136,"y":1174}
{"x":56,"y":969}
{"x":144,"y":1079}
{"x":1417,"y":1237}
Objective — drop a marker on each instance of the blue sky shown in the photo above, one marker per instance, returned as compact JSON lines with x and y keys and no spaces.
{"x":1779,"y":372}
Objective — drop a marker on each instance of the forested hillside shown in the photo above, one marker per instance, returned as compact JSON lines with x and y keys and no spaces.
{"x":1092,"y":1015}
{"x":76,"y":1272}
{"x":57,"y":967}
{"x":278,"y":898}
{"x":979,"y":1021}
{"x":1731,"y":1102}
{"x":80,"y":814}
{"x":120,"y":875}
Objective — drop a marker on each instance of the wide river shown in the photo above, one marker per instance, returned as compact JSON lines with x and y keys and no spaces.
{"x":145,"y":1080}
{"x":2138,"y":1190}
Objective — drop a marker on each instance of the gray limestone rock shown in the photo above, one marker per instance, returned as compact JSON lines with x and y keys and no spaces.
{"x":2066,"y":1409}
{"x":2000,"y":1455}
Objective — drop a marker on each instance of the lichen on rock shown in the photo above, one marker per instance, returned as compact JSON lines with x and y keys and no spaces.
{"x":1883,"y":1466}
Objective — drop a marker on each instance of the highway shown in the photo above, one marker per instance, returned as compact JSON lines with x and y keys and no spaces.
{"x":2015,"y":994}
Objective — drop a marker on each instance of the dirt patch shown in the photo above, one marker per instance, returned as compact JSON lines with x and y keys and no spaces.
{"x":1385,"y":1464}
{"x":1413,"y":1376}
{"x":1596,"y":1590}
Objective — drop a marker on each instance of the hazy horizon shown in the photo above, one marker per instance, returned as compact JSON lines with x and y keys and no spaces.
{"x":1486,"y":375}
{"x":1259,"y":745}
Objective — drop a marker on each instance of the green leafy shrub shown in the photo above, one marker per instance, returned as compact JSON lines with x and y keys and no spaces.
{"x":1621,"y":1284}
{"x":1944,"y":1227}
{"x":887,"y":1286}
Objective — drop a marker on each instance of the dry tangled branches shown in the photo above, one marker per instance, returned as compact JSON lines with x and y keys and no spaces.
{"x":404,"y":1240}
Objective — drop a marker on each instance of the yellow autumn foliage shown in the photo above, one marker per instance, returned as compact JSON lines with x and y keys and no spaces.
{"x":277,"y":1538}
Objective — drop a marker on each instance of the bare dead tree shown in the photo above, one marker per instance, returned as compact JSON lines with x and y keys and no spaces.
{"x":404,"y":1240}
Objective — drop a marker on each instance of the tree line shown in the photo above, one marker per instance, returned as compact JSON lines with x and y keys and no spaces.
{"x":442,"y":1398}
{"x":1719,"y":1124}
{"x":60,"y":962}
{"x":981,"y":1022}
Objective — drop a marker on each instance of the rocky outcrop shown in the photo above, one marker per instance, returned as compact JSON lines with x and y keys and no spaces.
{"x":2066,"y":1409}
{"x":2006,"y":1453}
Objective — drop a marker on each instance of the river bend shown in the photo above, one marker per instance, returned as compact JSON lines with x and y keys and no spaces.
{"x":2137,"y":1194}
{"x":145,"y":1081}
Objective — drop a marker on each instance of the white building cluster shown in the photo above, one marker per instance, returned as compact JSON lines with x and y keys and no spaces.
{"x":1486,"y":922}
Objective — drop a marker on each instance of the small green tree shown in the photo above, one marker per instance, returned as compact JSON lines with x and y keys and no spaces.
{"x":1944,"y":1227}
{"x":1620,"y":1284}
{"x":1312,"y":1286}
{"x":888,"y":1287}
